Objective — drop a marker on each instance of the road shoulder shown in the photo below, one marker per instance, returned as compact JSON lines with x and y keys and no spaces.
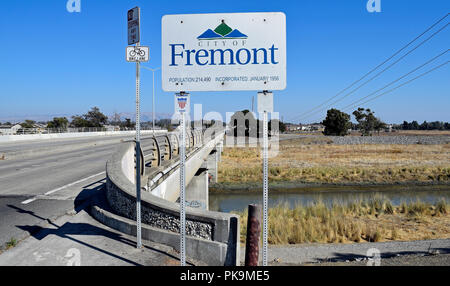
{"x":81,"y":240}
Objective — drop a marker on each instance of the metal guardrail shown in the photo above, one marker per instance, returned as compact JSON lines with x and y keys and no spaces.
{"x":164,"y":147}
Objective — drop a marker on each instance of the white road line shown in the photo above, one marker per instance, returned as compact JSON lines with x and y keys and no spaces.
{"x":29,"y":201}
{"x":63,"y":187}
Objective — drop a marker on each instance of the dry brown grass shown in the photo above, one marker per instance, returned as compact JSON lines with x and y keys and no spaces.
{"x":307,"y":160}
{"x":371,"y":221}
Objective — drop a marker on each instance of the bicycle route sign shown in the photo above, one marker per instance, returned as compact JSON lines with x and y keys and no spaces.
{"x":138,"y":54}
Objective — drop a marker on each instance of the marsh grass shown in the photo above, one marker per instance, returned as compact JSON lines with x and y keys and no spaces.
{"x":360,"y":221}
{"x":394,"y":234}
{"x":308,"y":160}
{"x":441,"y":207}
{"x":419,"y":208}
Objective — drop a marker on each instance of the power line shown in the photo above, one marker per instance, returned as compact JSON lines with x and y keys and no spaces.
{"x":405,"y":83}
{"x":400,"y":85}
{"x":396,"y":53}
{"x":392,"y":82}
{"x":371,"y":71}
{"x":375,"y":76}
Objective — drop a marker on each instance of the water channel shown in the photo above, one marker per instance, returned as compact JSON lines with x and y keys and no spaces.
{"x":238,"y":200}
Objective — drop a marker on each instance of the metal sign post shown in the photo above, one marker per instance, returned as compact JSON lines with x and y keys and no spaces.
{"x":138,"y":157}
{"x":183,"y":192}
{"x":265,"y":187}
{"x":137,"y":54}
{"x":265,"y":105}
{"x":182,"y":106}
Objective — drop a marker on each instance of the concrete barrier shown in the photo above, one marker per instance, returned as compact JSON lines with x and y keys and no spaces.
{"x":213,"y":237}
{"x":29,"y":137}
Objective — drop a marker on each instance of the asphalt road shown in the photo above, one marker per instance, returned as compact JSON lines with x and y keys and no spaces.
{"x":42,"y":180}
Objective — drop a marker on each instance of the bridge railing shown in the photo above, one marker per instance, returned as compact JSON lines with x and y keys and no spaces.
{"x":212,"y":237}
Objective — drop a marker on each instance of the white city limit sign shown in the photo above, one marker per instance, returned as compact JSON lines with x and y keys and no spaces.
{"x":224,"y":52}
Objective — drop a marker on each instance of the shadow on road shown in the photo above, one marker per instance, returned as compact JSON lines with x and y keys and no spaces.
{"x":67,"y":230}
{"x":79,"y":229}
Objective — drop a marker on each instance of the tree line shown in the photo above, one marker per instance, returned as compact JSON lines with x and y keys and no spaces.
{"x":337,"y":123}
{"x":414,"y":125}
{"x":94,"y":118}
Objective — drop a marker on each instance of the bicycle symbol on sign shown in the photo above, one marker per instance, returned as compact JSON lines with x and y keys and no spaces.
{"x":137,"y":52}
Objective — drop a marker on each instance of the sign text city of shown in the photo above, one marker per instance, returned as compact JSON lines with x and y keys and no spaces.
{"x":224,"y":52}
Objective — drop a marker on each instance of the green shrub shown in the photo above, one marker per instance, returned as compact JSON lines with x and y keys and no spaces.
{"x":11,"y":243}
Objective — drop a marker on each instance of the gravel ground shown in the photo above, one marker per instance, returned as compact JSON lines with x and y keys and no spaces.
{"x":358,"y":253}
{"x":404,"y":140}
{"x":407,"y":260}
{"x":394,"y":139}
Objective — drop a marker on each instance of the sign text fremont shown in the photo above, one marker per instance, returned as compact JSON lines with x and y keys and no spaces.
{"x":220,"y":52}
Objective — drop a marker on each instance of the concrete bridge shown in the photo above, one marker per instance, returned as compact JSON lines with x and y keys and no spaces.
{"x":212,"y":237}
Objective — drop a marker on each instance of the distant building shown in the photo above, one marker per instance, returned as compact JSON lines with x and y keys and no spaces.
{"x":313,"y":127}
{"x":389,"y":128}
{"x":111,"y":127}
{"x":9,"y":130}
{"x":292,"y":127}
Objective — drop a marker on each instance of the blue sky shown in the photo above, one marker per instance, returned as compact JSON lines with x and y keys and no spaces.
{"x":54,"y":62}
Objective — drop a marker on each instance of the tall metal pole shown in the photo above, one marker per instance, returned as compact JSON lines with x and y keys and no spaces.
{"x":183,"y":191}
{"x":153,"y":104}
{"x":253,"y":100}
{"x":138,"y":157}
{"x":265,"y":187}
